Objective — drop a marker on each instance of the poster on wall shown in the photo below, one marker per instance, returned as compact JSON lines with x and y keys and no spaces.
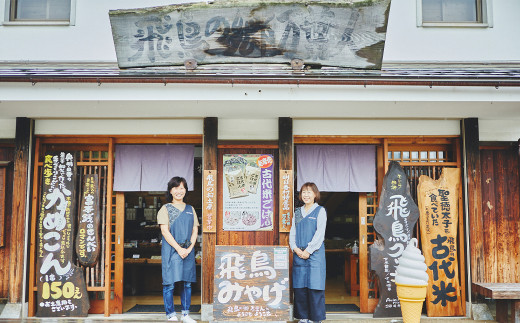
{"x":209,"y":195}
{"x":251,"y":283}
{"x":61,"y":284}
{"x":248,"y":193}
{"x":394,"y":222}
{"x":438,"y":203}
{"x":87,"y":237}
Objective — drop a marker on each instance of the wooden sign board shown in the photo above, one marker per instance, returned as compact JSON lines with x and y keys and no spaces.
{"x":394,"y":223}
{"x":61,"y":284}
{"x":347,"y":34}
{"x":286,"y":200}
{"x":251,"y":283}
{"x":87,"y":238}
{"x":209,"y":204}
{"x":438,"y":203}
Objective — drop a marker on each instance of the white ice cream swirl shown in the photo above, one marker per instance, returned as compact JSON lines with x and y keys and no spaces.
{"x":412,"y":268}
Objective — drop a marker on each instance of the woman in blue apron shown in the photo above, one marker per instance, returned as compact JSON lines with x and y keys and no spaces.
{"x":179,"y":228}
{"x":306,"y":240}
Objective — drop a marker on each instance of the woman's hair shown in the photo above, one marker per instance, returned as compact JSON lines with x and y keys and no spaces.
{"x":313,"y":188}
{"x":175,"y":182}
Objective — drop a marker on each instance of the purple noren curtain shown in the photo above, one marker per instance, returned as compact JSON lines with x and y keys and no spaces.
{"x":337,"y":168}
{"x":150,"y":167}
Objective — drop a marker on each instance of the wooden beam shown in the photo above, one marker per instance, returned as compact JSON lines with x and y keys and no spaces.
{"x":24,"y":132}
{"x":473,"y":173}
{"x":210,"y":148}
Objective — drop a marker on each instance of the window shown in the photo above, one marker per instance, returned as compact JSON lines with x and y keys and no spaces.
{"x":454,"y":13}
{"x":40,"y":12}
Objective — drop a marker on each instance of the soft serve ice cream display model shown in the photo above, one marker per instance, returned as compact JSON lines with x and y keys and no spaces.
{"x":411,"y":281}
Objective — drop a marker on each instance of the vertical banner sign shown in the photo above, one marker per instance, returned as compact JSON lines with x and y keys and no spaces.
{"x":438,"y":202}
{"x":209,"y":208}
{"x":248,"y":200}
{"x":251,"y":283}
{"x":87,"y":238}
{"x":286,"y":200}
{"x":61,"y":284}
{"x":394,"y":222}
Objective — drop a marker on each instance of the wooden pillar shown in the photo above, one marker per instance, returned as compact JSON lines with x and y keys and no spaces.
{"x":20,"y":190}
{"x":210,"y":153}
{"x":285,"y":145}
{"x":474,"y":186}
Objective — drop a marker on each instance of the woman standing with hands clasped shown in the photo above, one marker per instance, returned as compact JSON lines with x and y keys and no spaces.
{"x":306,"y":240}
{"x":179,"y":228}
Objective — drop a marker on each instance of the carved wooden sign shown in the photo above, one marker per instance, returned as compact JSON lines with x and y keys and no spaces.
{"x":251,"y":283}
{"x":209,"y":209}
{"x":346,"y":34}
{"x":61,"y":284}
{"x":438,"y":201}
{"x":394,"y":223}
{"x":87,"y":238}
{"x":286,"y":200}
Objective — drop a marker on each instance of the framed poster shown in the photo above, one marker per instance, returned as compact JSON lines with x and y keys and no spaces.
{"x":248,"y":192}
{"x":251,"y":283}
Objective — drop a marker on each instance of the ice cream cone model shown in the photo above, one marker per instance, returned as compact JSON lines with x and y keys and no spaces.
{"x":411,"y":282}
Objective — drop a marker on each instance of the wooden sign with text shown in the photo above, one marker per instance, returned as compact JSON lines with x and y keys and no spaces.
{"x":87,"y":238}
{"x":347,"y":33}
{"x":61,"y":284}
{"x":209,"y":203}
{"x":438,"y":203}
{"x":286,"y":200}
{"x":394,"y":222}
{"x":251,"y":283}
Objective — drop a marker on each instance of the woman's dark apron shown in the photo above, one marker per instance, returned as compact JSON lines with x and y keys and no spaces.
{"x":174,"y":268}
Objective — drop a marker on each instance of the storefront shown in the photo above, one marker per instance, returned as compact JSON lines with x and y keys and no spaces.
{"x":130,"y":236}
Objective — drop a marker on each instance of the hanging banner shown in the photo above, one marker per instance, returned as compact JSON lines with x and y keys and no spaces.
{"x":286,"y":200}
{"x":394,"y":222}
{"x":60,"y":283}
{"x":87,"y":238}
{"x":209,"y":201}
{"x":438,"y":203}
{"x":251,"y":283}
{"x":248,"y":194}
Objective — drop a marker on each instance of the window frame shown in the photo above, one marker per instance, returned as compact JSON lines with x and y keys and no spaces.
{"x":484,"y":13}
{"x":8,"y":22}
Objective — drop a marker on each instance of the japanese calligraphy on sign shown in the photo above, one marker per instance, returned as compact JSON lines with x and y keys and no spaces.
{"x":438,"y":202}
{"x":348,"y":34}
{"x":251,"y":283}
{"x":61,"y":284}
{"x":248,"y":194}
{"x":286,"y":200}
{"x":394,"y":222}
{"x":87,"y":238}
{"x":209,"y":210}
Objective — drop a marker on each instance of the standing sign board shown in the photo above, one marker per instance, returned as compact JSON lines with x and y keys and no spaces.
{"x":248,"y":194}
{"x":438,"y":202}
{"x":61,"y":285}
{"x":394,"y":222}
{"x":251,"y":283}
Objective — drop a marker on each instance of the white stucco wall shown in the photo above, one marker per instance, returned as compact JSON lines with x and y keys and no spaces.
{"x":90,"y":39}
{"x":7,"y":128}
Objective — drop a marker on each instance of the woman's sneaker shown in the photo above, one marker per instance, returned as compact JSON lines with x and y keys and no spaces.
{"x":187,"y":319}
{"x":173,"y":318}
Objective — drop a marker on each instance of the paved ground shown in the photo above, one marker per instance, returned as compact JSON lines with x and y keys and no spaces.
{"x":332,"y":318}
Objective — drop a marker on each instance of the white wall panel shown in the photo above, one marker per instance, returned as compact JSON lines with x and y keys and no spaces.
{"x":119,"y":127}
{"x":363,"y":127}
{"x":7,"y":128}
{"x":499,"y":130}
{"x":248,"y":129}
